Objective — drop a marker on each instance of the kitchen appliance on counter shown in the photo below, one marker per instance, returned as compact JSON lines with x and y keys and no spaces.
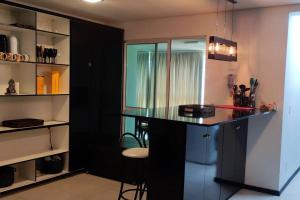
{"x":195,"y":110}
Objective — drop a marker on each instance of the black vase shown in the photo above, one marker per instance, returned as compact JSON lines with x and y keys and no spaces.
{"x":3,"y":44}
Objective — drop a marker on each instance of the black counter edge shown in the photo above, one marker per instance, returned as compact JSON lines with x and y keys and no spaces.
{"x":205,"y":125}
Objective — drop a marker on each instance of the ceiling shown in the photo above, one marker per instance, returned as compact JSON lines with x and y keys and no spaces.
{"x":130,"y":10}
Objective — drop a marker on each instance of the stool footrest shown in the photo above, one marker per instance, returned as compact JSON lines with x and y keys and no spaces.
{"x":140,"y":188}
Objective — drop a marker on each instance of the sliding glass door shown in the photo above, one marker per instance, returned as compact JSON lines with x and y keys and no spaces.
{"x":145,"y":79}
{"x":146,"y":71}
{"x":164,"y":75}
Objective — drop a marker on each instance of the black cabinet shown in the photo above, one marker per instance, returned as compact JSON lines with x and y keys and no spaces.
{"x":234,"y":151}
{"x":166,"y":161}
{"x":95,"y":100}
{"x":81,"y":92}
{"x":215,"y":160}
{"x":202,"y":163}
{"x":234,"y":157}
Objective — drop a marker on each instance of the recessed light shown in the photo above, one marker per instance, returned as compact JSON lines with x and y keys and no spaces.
{"x":93,"y":1}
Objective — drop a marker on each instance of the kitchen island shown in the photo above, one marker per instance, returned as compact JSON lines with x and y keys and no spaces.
{"x":195,"y":158}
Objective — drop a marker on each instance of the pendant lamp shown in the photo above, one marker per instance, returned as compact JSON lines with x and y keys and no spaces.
{"x":221,"y":48}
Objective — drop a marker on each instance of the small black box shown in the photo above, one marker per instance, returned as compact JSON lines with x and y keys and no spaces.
{"x":21,"y":123}
{"x":195,"y":110}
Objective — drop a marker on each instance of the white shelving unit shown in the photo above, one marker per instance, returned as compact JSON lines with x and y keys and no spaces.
{"x":31,"y":157}
{"x":22,"y":148}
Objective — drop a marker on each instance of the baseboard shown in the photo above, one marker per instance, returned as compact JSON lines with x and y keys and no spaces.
{"x":290,"y":180}
{"x":248,"y":187}
{"x":269,"y":191}
{"x":262,"y":190}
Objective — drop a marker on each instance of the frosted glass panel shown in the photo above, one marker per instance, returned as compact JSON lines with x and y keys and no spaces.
{"x":187,"y":71}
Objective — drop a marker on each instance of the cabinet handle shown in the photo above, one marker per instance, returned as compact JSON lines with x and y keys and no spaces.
{"x":206,"y":136}
{"x":237,"y":128}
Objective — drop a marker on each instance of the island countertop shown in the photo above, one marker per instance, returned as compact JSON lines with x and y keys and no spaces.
{"x":221,"y":115}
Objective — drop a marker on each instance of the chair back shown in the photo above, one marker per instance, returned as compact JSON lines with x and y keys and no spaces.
{"x":130,"y":140}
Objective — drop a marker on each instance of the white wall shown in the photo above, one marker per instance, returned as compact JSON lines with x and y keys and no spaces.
{"x":290,"y":151}
{"x":262,"y":40}
{"x":262,"y":35}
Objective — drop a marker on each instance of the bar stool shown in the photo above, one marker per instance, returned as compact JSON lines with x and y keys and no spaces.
{"x":142,"y":129}
{"x":136,"y":158}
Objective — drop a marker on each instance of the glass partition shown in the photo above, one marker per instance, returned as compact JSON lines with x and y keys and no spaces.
{"x":187,"y":73}
{"x":163,"y":75}
{"x":187,"y":63}
{"x":146,"y":79}
{"x":140,"y":68}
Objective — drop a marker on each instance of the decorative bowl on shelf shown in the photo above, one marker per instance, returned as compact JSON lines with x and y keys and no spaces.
{"x":52,"y":164}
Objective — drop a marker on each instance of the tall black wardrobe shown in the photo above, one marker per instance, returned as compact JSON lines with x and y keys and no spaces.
{"x":95,"y":100}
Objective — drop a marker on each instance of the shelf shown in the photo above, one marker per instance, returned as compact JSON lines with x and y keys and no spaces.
{"x":7,"y":27}
{"x":46,"y":95}
{"x":50,"y":176}
{"x":25,"y":182}
{"x":34,"y":95}
{"x":18,"y":95}
{"x":31,"y":157}
{"x":51,"y":34}
{"x":18,"y":184}
{"x":46,"y":125}
{"x":15,"y":62}
{"x":30,"y":62}
{"x":23,"y":148}
{"x":52,"y":65}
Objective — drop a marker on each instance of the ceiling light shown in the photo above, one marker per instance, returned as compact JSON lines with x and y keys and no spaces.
{"x":93,"y":1}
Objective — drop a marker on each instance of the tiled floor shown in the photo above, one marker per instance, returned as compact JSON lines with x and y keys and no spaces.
{"x":79,"y":187}
{"x":87,"y":187}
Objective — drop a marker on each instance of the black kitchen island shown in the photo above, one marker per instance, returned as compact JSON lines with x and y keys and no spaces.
{"x":195,"y":158}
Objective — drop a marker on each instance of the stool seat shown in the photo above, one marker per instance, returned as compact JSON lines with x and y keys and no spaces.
{"x":136,"y":153}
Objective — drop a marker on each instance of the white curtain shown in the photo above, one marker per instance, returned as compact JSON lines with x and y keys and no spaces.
{"x":161,"y":80}
{"x":185,"y":78}
{"x":145,"y":77}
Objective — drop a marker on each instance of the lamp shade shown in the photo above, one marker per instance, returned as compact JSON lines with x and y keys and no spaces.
{"x":222,"y":49}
